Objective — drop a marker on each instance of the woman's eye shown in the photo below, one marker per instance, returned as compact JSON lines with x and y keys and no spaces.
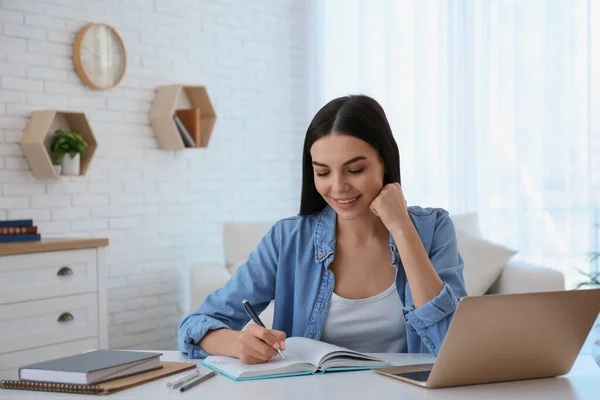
{"x":322,"y":173}
{"x":356,"y":171}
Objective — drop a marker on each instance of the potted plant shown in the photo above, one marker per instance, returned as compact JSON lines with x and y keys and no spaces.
{"x":592,"y":281}
{"x":56,"y":162}
{"x":67,"y":148}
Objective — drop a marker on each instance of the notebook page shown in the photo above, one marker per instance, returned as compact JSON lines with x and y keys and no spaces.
{"x":309,"y":350}
{"x":319,"y":353}
{"x":276,"y":365}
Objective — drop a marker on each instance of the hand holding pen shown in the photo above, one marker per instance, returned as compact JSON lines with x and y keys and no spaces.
{"x":257,"y":344}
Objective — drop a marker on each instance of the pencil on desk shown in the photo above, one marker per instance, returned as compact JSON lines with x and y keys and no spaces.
{"x":196,"y":381}
{"x":180,"y":381}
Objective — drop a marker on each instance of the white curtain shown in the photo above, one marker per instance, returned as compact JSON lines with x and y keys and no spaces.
{"x":490,"y":103}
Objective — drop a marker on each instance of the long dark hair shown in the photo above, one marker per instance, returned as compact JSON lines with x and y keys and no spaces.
{"x":356,"y":115}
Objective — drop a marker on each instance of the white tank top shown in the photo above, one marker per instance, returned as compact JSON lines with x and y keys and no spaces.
{"x":371,"y":325}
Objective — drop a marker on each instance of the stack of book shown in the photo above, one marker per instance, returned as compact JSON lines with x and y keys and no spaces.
{"x":18,"y":230}
{"x":95,"y":372}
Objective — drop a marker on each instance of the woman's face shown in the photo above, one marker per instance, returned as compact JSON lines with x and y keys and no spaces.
{"x":348,"y":173}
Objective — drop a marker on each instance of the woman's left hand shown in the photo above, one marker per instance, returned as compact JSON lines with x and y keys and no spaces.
{"x":390,"y":205}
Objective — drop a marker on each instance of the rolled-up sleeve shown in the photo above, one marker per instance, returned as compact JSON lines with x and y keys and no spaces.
{"x":254,"y":280}
{"x":193,"y":329}
{"x":432,"y":319}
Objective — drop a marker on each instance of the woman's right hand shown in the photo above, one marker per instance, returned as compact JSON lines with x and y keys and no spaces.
{"x":256,"y":345}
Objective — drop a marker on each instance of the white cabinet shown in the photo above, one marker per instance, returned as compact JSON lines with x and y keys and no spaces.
{"x":52,"y":300}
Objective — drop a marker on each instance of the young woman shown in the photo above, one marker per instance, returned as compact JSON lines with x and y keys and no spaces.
{"x":356,"y":268}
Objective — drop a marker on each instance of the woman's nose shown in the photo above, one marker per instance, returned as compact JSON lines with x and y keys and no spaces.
{"x":340,"y":184}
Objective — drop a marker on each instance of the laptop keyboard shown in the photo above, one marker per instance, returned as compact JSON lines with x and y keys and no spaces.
{"x":420,"y":376}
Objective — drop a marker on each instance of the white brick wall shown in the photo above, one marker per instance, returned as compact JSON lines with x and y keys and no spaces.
{"x":161,"y":210}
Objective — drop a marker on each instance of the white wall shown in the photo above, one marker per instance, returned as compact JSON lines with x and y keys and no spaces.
{"x":161,"y":210}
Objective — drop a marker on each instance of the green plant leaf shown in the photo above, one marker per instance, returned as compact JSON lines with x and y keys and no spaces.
{"x":584,"y":273}
{"x":593,"y":278}
{"x":593,"y":256}
{"x":64,"y":142}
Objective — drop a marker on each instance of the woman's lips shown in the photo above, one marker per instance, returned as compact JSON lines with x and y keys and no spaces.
{"x":347,"y":202}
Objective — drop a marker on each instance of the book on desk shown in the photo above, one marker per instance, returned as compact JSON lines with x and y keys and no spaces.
{"x":91,"y":367}
{"x":95,"y":372}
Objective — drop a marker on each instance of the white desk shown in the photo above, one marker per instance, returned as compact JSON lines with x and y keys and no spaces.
{"x":582,"y":383}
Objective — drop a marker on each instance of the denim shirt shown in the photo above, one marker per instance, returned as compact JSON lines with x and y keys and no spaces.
{"x":291,"y":266}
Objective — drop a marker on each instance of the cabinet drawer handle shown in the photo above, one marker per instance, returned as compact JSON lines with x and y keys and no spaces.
{"x":64,"y":271}
{"x":66,"y":317}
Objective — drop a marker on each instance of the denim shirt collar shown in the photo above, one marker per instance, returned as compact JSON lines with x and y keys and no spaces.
{"x":324,"y":238}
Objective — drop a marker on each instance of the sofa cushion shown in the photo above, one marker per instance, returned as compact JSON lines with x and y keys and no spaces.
{"x":522,"y":277}
{"x":483,"y":261}
{"x":232,"y":266}
{"x":241,"y":238}
{"x":205,"y":278}
{"x":468,"y":222}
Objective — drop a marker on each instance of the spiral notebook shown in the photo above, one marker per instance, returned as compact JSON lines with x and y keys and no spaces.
{"x":168,"y":368}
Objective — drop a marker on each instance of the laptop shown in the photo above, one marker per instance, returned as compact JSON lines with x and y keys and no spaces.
{"x":507,"y":337}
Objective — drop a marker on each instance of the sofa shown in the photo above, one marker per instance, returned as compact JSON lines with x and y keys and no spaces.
{"x":489,"y":267}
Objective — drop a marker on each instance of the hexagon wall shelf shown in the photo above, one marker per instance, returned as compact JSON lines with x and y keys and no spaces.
{"x":171,"y":98}
{"x":37,"y":139}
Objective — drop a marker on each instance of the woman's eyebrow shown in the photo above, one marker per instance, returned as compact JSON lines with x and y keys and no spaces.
{"x":353,"y":160}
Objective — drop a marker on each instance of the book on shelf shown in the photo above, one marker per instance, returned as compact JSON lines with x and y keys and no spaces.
{"x":20,"y":238}
{"x":191,"y":120}
{"x":91,"y":367}
{"x":16,"y":222}
{"x":185,"y":135}
{"x":18,"y":230}
{"x":303,"y":357}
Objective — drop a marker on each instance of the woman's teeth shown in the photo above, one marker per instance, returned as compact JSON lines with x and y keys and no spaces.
{"x":347,"y":201}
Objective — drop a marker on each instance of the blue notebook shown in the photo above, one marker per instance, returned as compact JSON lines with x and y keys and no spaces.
{"x":303,"y":357}
{"x":20,"y":238}
{"x":16,"y":222}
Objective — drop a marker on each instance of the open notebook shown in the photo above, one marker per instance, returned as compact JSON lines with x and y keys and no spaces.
{"x":303,"y":356}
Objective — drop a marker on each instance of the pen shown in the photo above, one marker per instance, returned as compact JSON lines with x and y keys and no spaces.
{"x":181,"y":380}
{"x":252,"y":314}
{"x":196,"y":381}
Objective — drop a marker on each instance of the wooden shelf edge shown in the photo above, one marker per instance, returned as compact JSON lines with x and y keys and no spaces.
{"x":51,"y":244}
